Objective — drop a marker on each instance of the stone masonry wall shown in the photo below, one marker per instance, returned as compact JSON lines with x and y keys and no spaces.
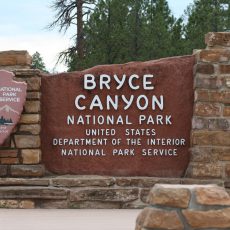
{"x":186,"y":207}
{"x":20,"y":155}
{"x":210,"y":152}
{"x":25,"y":184}
{"x":83,"y":192}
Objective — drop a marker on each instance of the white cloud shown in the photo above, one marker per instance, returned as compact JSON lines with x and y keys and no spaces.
{"x":48,"y":45}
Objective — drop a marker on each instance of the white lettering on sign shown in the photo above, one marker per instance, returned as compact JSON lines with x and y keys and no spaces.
{"x":10,"y":89}
{"x":142,"y":102}
{"x":116,"y":102}
{"x":154,"y":146}
{"x":105,"y":81}
{"x":118,"y":120}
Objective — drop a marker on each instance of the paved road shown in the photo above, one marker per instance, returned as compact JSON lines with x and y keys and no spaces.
{"x":67,"y":219}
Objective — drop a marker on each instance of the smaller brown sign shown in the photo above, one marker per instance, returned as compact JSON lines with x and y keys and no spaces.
{"x":12,"y":99}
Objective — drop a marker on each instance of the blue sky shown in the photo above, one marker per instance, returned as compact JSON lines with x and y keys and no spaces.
{"x":23,"y":22}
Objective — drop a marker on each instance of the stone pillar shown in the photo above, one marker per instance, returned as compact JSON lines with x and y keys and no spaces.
{"x":20,"y":156}
{"x":210,"y":152}
{"x":11,"y":60}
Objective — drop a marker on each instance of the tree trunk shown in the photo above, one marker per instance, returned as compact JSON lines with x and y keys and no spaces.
{"x":137,"y":27}
{"x":109,"y":48}
{"x":80,"y":35}
{"x":215,"y":17}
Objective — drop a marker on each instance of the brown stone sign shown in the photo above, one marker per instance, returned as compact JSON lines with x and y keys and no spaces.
{"x":121,"y":120}
{"x":12,"y":99}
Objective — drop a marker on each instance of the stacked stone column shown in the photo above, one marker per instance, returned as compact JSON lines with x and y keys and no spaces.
{"x":210,"y":153}
{"x":20,"y":156}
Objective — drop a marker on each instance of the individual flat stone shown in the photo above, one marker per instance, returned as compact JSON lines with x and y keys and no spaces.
{"x":191,"y":181}
{"x":203,"y":154}
{"x":53,"y":204}
{"x":32,"y":129}
{"x":9,"y":203}
{"x":82,"y":181}
{"x":26,"y":204}
{"x":8,"y":153}
{"x":222,"y":96}
{"x":226,"y":111}
{"x":224,"y":153}
{"x":228,"y":191}
{"x":142,"y":216}
{"x":137,"y":204}
{"x":144,"y":181}
{"x":205,"y":68}
{"x":205,"y":170}
{"x":218,"y":138}
{"x":3,"y":170}
{"x":207,"y":109}
{"x":170,"y":196}
{"x":27,"y":170}
{"x":30,"y":119}
{"x":199,"y":123}
{"x":22,"y":192}
{"x":219,"y":124}
{"x":212,"y":124}
{"x":9,"y":161}
{"x":214,"y":39}
{"x":208,"y":219}
{"x":31,"y":156}
{"x":227,"y":82}
{"x":23,"y":182}
{"x":216,"y":55}
{"x":227,"y":184}
{"x":119,"y":195}
{"x":212,"y":196}
{"x":33,"y":95}
{"x":227,"y":170}
{"x":207,"y":82}
{"x":144,"y":194}
{"x":27,"y":72}
{"x":224,"y":69}
{"x":27,"y":141}
{"x":151,"y":218}
{"x":32,"y":106}
{"x":15,"y":58}
{"x":23,"y":204}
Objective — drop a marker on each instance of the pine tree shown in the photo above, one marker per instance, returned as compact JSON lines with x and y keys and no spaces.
{"x":37,"y":62}
{"x":158,"y":28}
{"x":135,"y":21}
{"x":178,"y":42}
{"x":205,"y":16}
{"x":128,"y":30}
{"x":107,"y":33}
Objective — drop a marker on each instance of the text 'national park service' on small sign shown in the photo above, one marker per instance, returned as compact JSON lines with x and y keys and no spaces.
{"x":12,"y":99}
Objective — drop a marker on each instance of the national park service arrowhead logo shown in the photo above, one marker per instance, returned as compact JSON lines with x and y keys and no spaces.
{"x":12,"y":99}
